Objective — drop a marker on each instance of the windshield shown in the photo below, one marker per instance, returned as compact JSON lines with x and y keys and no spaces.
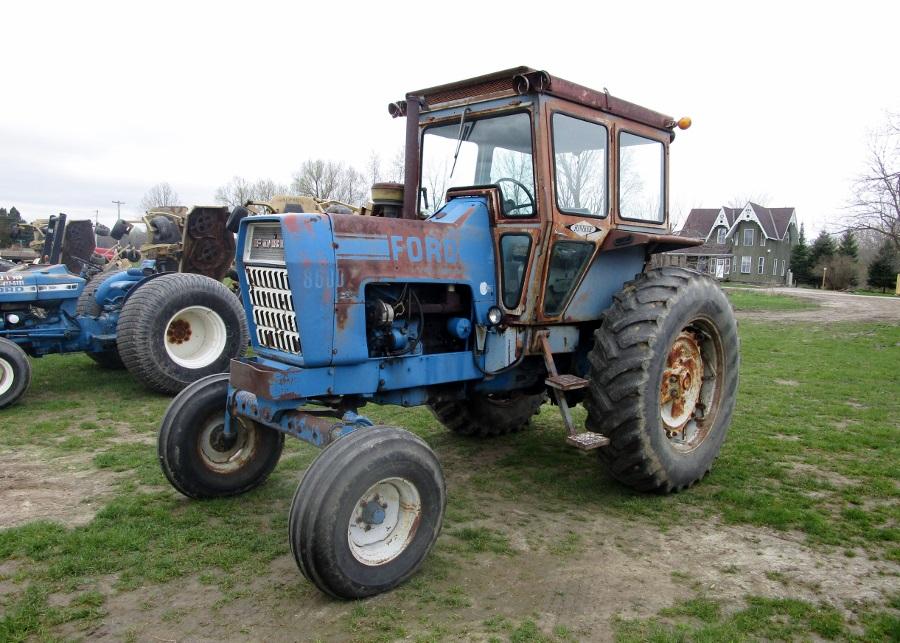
{"x":485,"y":151}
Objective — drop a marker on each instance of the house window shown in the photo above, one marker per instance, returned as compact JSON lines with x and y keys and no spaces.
{"x":761,"y":266}
{"x":783,"y":268}
{"x":727,"y":266}
{"x":745,"y":265}
{"x":762,"y":239}
{"x":748,"y":236}
{"x":720,"y":237}
{"x":775,"y":267}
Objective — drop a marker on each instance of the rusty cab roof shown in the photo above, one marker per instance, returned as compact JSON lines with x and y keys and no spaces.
{"x":524,"y":80}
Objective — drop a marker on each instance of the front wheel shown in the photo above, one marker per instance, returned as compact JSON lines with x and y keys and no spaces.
{"x":664,"y":379}
{"x":199,"y":459}
{"x":178,"y":328}
{"x":15,"y":373}
{"x":367,"y":512}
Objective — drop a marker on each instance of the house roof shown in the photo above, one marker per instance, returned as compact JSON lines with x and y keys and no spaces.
{"x":701,"y":221}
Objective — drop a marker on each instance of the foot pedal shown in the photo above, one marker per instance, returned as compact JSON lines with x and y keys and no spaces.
{"x":566,"y":382}
{"x":587,"y":440}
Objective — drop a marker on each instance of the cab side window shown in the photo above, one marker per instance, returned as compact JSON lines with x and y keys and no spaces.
{"x":641,"y":178}
{"x":579,"y":161}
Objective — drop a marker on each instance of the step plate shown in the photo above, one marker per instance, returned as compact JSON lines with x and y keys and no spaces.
{"x":587,"y":440}
{"x":566,"y":382}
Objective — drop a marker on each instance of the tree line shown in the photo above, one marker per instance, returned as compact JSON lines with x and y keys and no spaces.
{"x":838,"y":264}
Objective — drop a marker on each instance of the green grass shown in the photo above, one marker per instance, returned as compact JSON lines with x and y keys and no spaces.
{"x":746,"y":299}
{"x":758,"y":618}
{"x":813,"y":449}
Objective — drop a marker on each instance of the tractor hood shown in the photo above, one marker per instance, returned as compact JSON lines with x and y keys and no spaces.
{"x":303,"y":276}
{"x":39,"y":283}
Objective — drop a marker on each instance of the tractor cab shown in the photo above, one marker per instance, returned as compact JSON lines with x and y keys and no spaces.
{"x":577,"y":180}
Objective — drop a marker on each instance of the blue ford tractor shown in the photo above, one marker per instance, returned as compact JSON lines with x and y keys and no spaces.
{"x":168,"y":329}
{"x":512,"y":264}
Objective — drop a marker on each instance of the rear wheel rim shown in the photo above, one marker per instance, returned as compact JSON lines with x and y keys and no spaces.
{"x":195,"y":337}
{"x":384,"y":521}
{"x":7,"y":375}
{"x":690,"y":388}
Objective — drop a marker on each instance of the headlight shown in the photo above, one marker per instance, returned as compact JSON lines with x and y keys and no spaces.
{"x":494,"y":316}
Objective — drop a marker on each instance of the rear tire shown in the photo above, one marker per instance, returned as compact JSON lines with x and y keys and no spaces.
{"x":664,"y":378}
{"x":367,"y":512}
{"x":484,"y":415}
{"x":178,"y":328}
{"x":15,"y":373}
{"x":194,"y":455}
{"x":87,"y":306}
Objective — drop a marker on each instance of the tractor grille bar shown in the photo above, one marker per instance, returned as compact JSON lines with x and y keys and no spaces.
{"x":273,"y":309}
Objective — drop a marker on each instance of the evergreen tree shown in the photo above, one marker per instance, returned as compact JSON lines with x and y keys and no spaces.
{"x":822,"y":248}
{"x":883,"y":269}
{"x":848,"y":246}
{"x":800,"y":259}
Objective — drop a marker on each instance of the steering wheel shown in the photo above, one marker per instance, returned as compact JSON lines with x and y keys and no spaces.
{"x":508,"y":204}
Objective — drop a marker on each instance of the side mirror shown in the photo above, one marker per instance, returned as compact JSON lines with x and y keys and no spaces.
{"x":234,"y":219}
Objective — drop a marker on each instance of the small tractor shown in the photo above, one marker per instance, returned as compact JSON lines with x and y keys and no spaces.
{"x":511,"y":264}
{"x":167,"y":328}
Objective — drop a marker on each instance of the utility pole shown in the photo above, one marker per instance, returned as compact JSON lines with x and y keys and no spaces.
{"x":119,"y":205}
{"x":96,"y":217}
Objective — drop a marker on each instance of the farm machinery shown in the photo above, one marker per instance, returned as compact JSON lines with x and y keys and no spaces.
{"x":167,"y":328}
{"x":511,"y":265}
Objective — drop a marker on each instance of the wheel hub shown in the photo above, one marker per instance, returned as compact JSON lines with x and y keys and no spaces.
{"x":179,"y":331}
{"x":226,"y":453}
{"x":681,"y":383}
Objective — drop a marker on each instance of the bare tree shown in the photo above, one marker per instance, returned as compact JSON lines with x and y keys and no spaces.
{"x":239,"y":190}
{"x":581,"y":181}
{"x":373,"y":167}
{"x":740,"y":200}
{"x":330,"y":180}
{"x":160,"y":195}
{"x":875,"y":205}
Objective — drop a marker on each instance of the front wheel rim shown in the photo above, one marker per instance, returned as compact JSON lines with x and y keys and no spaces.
{"x":690,"y":390}
{"x":384,"y":521}
{"x":195,"y":337}
{"x":7,"y":375}
{"x":223,"y":454}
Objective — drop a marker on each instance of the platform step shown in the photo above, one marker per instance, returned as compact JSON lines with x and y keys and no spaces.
{"x":566,"y":382}
{"x":587,"y":440}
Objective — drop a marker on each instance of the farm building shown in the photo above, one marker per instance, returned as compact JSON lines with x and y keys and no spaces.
{"x":750,"y":244}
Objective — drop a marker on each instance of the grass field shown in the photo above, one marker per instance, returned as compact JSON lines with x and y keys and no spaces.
{"x":746,"y":299}
{"x":539,"y":543}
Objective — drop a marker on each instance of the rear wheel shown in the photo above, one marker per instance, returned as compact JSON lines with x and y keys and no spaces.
{"x":178,"y":328}
{"x":664,"y":378}
{"x":367,"y":512}
{"x":87,"y":306}
{"x":15,"y":373}
{"x":196,"y":456}
{"x":485,"y":415}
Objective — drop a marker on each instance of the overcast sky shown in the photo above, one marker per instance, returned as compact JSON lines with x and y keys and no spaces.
{"x":102,"y":100}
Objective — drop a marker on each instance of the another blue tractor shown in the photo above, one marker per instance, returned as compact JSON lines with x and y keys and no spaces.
{"x":168,"y":329}
{"x":513,"y":263}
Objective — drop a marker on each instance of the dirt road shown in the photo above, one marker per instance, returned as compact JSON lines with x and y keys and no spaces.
{"x":833,"y":307}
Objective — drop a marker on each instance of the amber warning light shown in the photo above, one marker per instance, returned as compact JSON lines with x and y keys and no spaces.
{"x":684,"y":122}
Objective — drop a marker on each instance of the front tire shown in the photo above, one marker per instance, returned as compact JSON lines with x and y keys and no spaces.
{"x":664,"y":378}
{"x":484,"y":415}
{"x":367,"y":512}
{"x":15,"y":373}
{"x":178,"y":328}
{"x":195,"y":455}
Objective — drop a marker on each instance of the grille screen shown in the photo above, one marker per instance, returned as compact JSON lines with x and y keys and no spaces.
{"x":266,"y":243}
{"x":273,"y":309}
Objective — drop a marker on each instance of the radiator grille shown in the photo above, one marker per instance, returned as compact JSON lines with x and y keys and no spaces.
{"x":273,"y":309}
{"x":266,"y":243}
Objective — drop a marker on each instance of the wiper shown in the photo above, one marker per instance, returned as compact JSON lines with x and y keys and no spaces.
{"x":459,"y":139}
